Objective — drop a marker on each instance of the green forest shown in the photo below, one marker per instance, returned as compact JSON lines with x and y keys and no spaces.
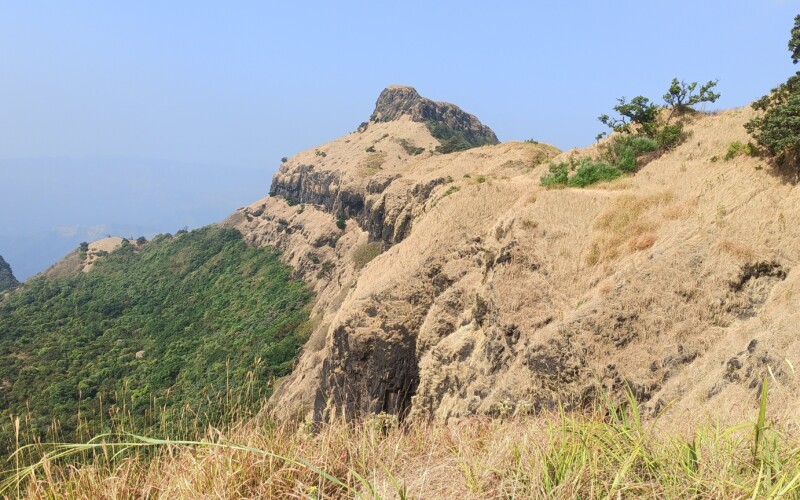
{"x":180,"y":327}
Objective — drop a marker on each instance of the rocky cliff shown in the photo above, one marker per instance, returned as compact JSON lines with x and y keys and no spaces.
{"x":398,"y":101}
{"x":450,"y":285}
{"x":7,"y":279}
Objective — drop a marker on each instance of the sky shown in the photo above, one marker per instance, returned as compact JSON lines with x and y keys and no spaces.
{"x":150,"y":116}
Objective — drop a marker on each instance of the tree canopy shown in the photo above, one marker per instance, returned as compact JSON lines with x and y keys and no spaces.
{"x":149,"y":335}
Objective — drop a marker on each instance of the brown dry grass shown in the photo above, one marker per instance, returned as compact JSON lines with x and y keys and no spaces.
{"x":627,"y":224}
{"x":739,"y":250}
{"x":609,"y":453}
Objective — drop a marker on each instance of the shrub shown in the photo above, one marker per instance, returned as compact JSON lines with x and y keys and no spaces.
{"x":453,"y":144}
{"x":587,"y":172}
{"x":371,"y":149}
{"x":284,"y":159}
{"x":341,"y":223}
{"x":736,"y":148}
{"x":669,"y":136}
{"x":410,"y":148}
{"x":558,"y":176}
{"x":622,"y":151}
{"x":451,"y":190}
{"x":326,"y":270}
{"x":590,"y":172}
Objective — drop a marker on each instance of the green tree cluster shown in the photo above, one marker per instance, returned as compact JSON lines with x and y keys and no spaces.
{"x":452,"y":140}
{"x":777,"y":129}
{"x":643,"y":128}
{"x":171,"y":328}
{"x":641,"y":116}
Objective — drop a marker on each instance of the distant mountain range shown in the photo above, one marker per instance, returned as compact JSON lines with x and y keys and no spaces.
{"x":31,"y":254}
{"x":50,"y":205}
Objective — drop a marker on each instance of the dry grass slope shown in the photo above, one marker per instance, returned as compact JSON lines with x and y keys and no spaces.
{"x":609,"y":453}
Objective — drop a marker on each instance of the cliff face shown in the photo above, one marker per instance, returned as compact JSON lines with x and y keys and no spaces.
{"x":7,"y":279}
{"x":352,"y":183}
{"x":494,"y":295}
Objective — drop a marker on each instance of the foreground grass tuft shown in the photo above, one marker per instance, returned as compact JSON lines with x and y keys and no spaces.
{"x":609,"y":453}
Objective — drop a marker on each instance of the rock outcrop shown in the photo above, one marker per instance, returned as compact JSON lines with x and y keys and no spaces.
{"x":493,"y":295}
{"x":7,"y":279}
{"x":351,"y":184}
{"x":398,"y":101}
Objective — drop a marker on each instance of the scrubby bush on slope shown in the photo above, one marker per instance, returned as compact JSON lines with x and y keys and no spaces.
{"x":642,"y":127}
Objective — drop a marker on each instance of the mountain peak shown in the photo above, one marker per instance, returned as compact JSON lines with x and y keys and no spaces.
{"x":396,"y":101}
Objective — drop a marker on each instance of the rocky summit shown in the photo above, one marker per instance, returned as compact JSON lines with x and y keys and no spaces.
{"x":403,"y":101}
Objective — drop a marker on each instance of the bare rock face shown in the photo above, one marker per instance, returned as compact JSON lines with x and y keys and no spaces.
{"x":7,"y":279}
{"x":400,"y":100}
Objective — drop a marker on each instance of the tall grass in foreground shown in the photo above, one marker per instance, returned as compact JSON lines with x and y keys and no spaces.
{"x":610,"y":453}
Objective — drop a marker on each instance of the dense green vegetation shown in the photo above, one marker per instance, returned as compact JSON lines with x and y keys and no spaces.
{"x":7,"y":279}
{"x":453,"y":140}
{"x":149,"y":334}
{"x":644,"y":131}
{"x":644,"y":118}
{"x":777,"y":130}
{"x":618,"y":156}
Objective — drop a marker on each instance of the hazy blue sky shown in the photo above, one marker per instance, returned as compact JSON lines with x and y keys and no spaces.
{"x":190,"y":105}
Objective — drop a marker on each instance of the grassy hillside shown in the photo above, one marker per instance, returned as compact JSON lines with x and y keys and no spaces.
{"x":147,"y":335}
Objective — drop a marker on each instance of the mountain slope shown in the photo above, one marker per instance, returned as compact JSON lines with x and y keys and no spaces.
{"x":179,"y":328}
{"x":7,"y":279}
{"x":495,"y":295}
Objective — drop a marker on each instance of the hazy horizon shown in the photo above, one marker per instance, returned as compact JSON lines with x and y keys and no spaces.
{"x":159,"y":116}
{"x":85,"y":199}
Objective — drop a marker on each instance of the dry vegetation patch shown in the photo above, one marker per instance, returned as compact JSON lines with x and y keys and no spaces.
{"x":363,"y":254}
{"x":372,"y":164}
{"x":606,"y":453}
{"x":628,"y":224}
